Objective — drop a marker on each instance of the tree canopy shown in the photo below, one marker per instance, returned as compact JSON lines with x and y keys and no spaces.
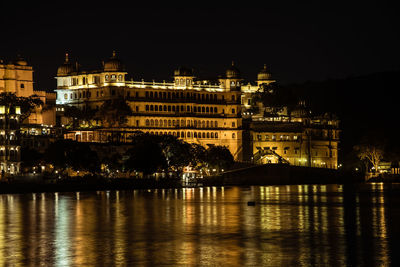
{"x":27,"y":104}
{"x":114,"y":112}
{"x":70,"y":154}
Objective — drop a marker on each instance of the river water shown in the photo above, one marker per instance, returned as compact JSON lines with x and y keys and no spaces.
{"x":297,"y":225}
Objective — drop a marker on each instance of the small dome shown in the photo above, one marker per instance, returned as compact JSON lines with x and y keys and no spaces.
{"x":66,"y":68}
{"x":21,"y":61}
{"x":232,"y":72}
{"x":183,"y":71}
{"x":264,"y":74}
{"x":113,"y":64}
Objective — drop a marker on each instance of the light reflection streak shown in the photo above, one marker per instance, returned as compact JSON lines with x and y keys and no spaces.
{"x":289,"y":226}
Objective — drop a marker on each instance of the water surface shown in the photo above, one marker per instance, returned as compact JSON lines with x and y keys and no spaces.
{"x":301,"y":225}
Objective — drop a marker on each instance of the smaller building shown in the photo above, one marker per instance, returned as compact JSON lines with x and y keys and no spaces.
{"x":311,"y":142}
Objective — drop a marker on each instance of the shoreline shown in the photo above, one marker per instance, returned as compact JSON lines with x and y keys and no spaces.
{"x":113,"y":184}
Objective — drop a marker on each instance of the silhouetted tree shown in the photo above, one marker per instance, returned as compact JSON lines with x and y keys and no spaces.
{"x":114,"y":112}
{"x":65,"y":154}
{"x":30,"y":158}
{"x":27,"y":104}
{"x":78,"y":115}
{"x":145,"y":155}
{"x":219,"y":157}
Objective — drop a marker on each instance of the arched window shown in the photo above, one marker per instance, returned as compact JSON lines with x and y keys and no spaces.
{"x":178,"y":134}
{"x":208,"y":124}
{"x":203,"y":109}
{"x":208,"y":135}
{"x":195,"y":123}
{"x":203,"y":124}
{"x":233,"y":135}
{"x":156,"y":108}
{"x":151,"y":94}
{"x":215,"y":110}
{"x":211,"y":124}
{"x":212,"y":135}
{"x":156,"y":123}
{"x":204,"y":135}
{"x":195,"y":135}
{"x":147,"y":122}
{"x":169,"y":123}
{"x":165,"y":108}
{"x":151,"y":107}
{"x":120,"y":77}
{"x":65,"y":96}
{"x":194,"y":109}
{"x":216,"y":135}
{"x":151,"y":122}
{"x":215,"y":124}
{"x":207,"y":110}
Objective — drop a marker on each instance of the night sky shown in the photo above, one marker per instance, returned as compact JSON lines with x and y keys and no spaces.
{"x":299,"y":42}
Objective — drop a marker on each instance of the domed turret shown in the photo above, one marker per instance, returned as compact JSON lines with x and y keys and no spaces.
{"x":232,"y":72}
{"x":183,"y":71}
{"x":113,"y":64}
{"x":21,"y":61}
{"x":66,"y":68}
{"x":264,"y":74}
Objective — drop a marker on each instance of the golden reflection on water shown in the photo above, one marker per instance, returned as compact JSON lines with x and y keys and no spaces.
{"x":301,"y":225}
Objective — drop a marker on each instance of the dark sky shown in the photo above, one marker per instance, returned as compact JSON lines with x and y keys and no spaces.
{"x":298,"y":41}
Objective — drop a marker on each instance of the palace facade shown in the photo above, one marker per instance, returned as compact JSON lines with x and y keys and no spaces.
{"x":196,"y":111}
{"x":17,"y":77}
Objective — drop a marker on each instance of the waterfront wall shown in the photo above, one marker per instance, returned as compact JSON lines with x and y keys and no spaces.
{"x":278,"y":174}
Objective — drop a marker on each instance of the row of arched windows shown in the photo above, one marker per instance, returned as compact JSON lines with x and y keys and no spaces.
{"x":84,"y":94}
{"x":177,"y":108}
{"x":205,"y":135}
{"x":183,"y":82}
{"x":181,"y":123}
{"x":184,"y":95}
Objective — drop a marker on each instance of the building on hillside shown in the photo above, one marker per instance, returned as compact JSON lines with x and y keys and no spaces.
{"x":207,"y":114}
{"x":10,"y":148}
{"x":17,"y":77}
{"x":200,"y":111}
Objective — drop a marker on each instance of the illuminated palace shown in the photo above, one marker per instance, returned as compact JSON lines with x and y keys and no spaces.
{"x":197,"y":111}
{"x":17,"y":77}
